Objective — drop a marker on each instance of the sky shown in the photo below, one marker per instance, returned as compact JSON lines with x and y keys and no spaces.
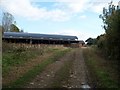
{"x":63,"y":17}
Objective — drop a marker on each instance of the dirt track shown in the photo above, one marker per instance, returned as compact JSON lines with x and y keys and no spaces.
{"x":78,"y":73}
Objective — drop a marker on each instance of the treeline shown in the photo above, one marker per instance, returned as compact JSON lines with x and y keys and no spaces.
{"x":109,"y":43}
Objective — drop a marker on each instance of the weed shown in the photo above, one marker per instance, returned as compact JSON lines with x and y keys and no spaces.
{"x":99,"y":70}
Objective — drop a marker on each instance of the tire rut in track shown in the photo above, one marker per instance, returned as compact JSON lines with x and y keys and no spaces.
{"x":78,"y":73}
{"x":46,"y":78}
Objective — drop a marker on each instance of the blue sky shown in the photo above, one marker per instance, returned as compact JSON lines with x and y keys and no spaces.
{"x":66,"y":17}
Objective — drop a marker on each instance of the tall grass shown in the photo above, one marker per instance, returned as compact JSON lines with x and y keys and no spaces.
{"x":36,"y":70}
{"x":103,"y":74}
{"x":14,"y":55}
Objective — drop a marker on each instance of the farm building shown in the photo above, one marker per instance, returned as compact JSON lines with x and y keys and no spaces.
{"x":32,"y":38}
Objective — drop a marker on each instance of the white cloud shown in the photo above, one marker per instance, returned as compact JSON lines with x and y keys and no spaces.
{"x":22,"y":8}
{"x":97,"y":6}
{"x":58,"y":15}
{"x":25,"y":9}
{"x":62,"y":11}
{"x":72,"y":6}
{"x":78,"y":6}
{"x":83,"y":17}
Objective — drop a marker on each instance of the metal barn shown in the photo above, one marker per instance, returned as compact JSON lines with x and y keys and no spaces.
{"x":32,"y":38}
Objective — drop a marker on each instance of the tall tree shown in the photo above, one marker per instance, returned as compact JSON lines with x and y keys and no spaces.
{"x":91,"y":41}
{"x":7,"y":20}
{"x":111,"y":19}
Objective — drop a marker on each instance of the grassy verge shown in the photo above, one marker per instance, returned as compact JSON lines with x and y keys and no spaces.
{"x":103,"y":73}
{"x":17,"y":57}
{"x":36,"y":70}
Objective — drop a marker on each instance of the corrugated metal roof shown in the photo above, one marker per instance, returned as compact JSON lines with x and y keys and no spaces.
{"x":38,"y":36}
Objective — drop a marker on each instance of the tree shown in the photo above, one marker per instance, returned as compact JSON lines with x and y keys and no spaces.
{"x":8,"y":23}
{"x":7,"y":20}
{"x":101,"y":43}
{"x":90,"y":41}
{"x":14,"y":28}
{"x":111,"y":20}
